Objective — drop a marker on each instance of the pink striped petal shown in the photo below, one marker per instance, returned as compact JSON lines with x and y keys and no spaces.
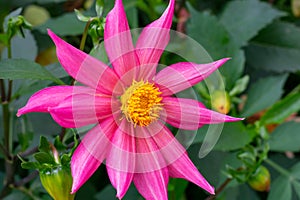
{"x":50,"y":97}
{"x":83,"y":109}
{"x":91,"y":152}
{"x":181,"y":76}
{"x":179,"y":164}
{"x":152,"y":185}
{"x":152,"y":42}
{"x":148,"y":155}
{"x":118,"y":41}
{"x":190,"y":114}
{"x":184,"y":168}
{"x":85,"y":68}
{"x":120,"y":162}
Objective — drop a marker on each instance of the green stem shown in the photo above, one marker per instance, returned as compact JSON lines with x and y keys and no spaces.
{"x":2,"y":88}
{"x":7,"y":129}
{"x":278,"y":168}
{"x":10,"y":82}
{"x":4,"y":151}
{"x":6,"y":116}
{"x":85,"y":33}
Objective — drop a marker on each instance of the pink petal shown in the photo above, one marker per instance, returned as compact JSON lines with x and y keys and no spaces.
{"x":120,"y":162}
{"x":148,"y":155}
{"x":152,"y":185}
{"x":118,"y":41}
{"x":179,"y":164}
{"x":181,"y":76}
{"x":83,"y":109}
{"x":85,"y":68}
{"x":152,"y":42}
{"x":91,"y":152}
{"x":190,"y":114}
{"x":50,"y":97}
{"x":184,"y":168}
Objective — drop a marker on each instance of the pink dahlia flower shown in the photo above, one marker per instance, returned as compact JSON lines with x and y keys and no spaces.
{"x":129,"y":104}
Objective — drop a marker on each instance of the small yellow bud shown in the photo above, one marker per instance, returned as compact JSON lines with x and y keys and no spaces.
{"x":220,"y":101}
{"x":296,"y":8}
{"x":260,"y":180}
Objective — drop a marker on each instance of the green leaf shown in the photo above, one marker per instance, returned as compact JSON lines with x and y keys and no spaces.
{"x":286,"y":137}
{"x":295,"y":171}
{"x":212,"y":35}
{"x":276,"y":48}
{"x":44,"y":145}
{"x":176,"y":188}
{"x":65,"y":160}
{"x":239,"y":86}
{"x":99,"y":7}
{"x":59,"y":145}
{"x":282,"y":109}
{"x":239,"y":21}
{"x":237,"y":130}
{"x":30,"y":165}
{"x":281,"y":189}
{"x":246,"y":193}
{"x":296,"y":186}
{"x":63,"y":25}
{"x":25,"y":69}
{"x":263,"y":93}
{"x":81,"y":17}
{"x":44,"y":158}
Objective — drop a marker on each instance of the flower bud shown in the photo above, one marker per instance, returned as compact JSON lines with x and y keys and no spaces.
{"x":58,"y":182}
{"x":260,"y":180}
{"x":296,"y":7}
{"x":220,"y":101}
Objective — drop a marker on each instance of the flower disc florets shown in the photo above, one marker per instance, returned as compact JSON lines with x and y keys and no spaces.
{"x":141,"y":103}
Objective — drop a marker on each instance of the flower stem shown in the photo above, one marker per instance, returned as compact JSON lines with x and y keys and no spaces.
{"x":6,"y":117}
{"x":10,"y":82}
{"x":278,"y":168}
{"x":84,"y":35}
{"x":2,"y":88}
{"x":9,"y":158}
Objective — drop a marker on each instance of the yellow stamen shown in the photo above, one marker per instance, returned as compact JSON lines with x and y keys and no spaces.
{"x":141,"y":103}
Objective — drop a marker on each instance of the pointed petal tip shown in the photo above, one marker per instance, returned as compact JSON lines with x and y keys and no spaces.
{"x":120,"y":196}
{"x":222,"y":61}
{"x":19,"y":113}
{"x":211,"y":190}
{"x":74,"y":189}
{"x":233,"y":119}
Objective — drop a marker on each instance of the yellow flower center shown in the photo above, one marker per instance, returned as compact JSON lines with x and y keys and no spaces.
{"x":141,"y":103}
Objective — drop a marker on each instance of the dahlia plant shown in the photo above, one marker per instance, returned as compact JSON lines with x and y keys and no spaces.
{"x":130,"y":104}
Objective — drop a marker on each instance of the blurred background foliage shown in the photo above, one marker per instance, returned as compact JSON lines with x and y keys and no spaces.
{"x":254,"y":159}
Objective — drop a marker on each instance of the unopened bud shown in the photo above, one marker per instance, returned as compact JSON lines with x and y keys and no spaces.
{"x":220,"y":101}
{"x":58,"y":182}
{"x":260,"y":180}
{"x":296,"y":7}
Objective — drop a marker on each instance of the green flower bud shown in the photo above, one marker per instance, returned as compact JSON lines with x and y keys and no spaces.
{"x":260,"y":180}
{"x":220,"y":101}
{"x":58,"y":182}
